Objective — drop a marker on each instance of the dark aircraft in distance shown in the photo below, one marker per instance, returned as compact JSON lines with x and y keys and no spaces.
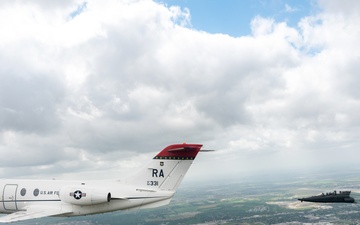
{"x":332,"y":197}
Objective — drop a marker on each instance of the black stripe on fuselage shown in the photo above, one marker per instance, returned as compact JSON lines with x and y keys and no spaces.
{"x":58,"y":200}
{"x":147,"y":197}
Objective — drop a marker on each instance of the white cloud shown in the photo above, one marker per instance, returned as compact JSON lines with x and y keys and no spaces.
{"x":87,"y":84}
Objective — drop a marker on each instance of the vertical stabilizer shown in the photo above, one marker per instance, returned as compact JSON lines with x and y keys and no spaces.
{"x":167,"y":169}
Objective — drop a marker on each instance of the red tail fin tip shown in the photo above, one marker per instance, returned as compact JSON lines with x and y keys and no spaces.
{"x":176,"y":151}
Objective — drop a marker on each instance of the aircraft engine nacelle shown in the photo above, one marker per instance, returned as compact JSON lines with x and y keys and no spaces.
{"x":82,"y":195}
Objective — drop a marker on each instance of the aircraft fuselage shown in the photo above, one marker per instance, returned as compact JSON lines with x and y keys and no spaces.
{"x":79,"y":197}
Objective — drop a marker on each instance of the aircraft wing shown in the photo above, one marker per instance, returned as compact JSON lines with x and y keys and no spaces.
{"x":33,"y":212}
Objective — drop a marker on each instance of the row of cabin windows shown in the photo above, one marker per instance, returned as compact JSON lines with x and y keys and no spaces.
{"x":23,"y":192}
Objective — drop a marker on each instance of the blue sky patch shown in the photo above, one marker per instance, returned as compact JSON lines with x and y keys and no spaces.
{"x":234,"y":17}
{"x":78,"y":10}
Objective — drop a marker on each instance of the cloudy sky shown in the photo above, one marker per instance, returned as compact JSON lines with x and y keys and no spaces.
{"x":95,"y":89}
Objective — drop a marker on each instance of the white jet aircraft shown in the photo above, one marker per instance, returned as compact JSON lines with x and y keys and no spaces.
{"x":151,"y":187}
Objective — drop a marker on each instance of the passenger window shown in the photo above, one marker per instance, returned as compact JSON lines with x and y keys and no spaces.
{"x":36,"y":192}
{"x":23,"y":192}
